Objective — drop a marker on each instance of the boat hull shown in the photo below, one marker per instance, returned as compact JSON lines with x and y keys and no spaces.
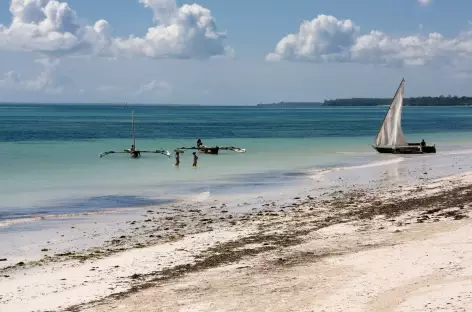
{"x":209,"y":150}
{"x":410,"y":149}
{"x":134,"y":154}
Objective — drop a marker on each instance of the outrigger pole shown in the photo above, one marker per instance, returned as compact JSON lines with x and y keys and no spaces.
{"x":163,"y":152}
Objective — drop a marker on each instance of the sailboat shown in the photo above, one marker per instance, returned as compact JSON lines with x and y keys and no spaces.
{"x":390,"y":138}
{"x":135,"y":153}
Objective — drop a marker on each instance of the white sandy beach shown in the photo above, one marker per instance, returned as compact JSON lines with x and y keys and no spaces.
{"x":424,"y":268}
{"x":356,"y":248}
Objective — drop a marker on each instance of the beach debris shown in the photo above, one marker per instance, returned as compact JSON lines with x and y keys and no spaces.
{"x":44,"y":249}
{"x":3,"y":259}
{"x":64,"y":254}
{"x":431,"y":211}
{"x":135,"y":276}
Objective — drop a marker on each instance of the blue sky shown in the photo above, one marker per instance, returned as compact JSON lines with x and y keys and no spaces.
{"x":231,"y":52}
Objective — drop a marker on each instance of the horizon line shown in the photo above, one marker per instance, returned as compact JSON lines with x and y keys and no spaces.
{"x":117,"y":104}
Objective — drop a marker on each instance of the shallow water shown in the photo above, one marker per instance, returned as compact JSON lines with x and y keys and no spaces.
{"x":49,"y":153}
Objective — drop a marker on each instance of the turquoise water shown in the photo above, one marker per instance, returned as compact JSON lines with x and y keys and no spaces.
{"x":49,"y":154}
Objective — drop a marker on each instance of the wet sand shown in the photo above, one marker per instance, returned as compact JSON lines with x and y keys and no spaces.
{"x":348,"y":250}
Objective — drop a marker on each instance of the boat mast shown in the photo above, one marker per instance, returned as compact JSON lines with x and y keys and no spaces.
{"x":134,"y":130}
{"x":390,"y":107}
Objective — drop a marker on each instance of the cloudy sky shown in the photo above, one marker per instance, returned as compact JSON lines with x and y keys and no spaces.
{"x":232,"y":51}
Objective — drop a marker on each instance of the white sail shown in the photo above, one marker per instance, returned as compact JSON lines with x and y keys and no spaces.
{"x":391,"y":133}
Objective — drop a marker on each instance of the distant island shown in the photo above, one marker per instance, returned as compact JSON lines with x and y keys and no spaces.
{"x":413,"y":101}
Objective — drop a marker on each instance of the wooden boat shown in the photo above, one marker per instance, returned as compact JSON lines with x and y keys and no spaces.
{"x":390,"y":138}
{"x":135,"y":153}
{"x":211,"y":150}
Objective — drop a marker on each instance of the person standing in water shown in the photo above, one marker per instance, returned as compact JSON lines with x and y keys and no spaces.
{"x":199,"y":143}
{"x":134,"y":152}
{"x":195,"y":159}
{"x":177,"y":158}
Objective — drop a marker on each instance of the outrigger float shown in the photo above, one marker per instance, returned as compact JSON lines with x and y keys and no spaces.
{"x":390,"y":138}
{"x":135,"y":153}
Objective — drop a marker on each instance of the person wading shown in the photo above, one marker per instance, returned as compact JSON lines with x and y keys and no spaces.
{"x":195,"y":159}
{"x":177,"y":159}
{"x":199,"y":143}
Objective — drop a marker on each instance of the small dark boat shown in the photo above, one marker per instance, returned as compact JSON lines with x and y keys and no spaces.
{"x":134,"y":153}
{"x":209,"y":150}
{"x":412,"y":148}
{"x":390,"y":139}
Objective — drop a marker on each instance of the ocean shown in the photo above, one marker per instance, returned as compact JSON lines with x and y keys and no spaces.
{"x":50,"y":164}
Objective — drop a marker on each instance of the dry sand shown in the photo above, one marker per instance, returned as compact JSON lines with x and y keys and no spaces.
{"x":383,"y":250}
{"x":424,"y":268}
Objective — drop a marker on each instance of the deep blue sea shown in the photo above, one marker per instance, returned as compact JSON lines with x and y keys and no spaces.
{"x":49,"y":154}
{"x":32,"y":123}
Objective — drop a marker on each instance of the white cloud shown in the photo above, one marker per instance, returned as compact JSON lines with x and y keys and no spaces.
{"x":46,"y":81}
{"x":155,"y":87}
{"x":323,"y":39}
{"x":425,"y":2}
{"x":52,"y":27}
{"x":186,"y":32}
{"x":327,"y":39}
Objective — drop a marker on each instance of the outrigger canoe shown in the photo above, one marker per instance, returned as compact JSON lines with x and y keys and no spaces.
{"x":211,"y":150}
{"x":133,"y":151}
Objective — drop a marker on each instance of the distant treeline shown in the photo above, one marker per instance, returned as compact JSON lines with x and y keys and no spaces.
{"x":413,"y":101}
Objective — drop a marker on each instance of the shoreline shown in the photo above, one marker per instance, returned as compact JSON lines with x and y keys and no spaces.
{"x":168,"y":245}
{"x":221,"y":187}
